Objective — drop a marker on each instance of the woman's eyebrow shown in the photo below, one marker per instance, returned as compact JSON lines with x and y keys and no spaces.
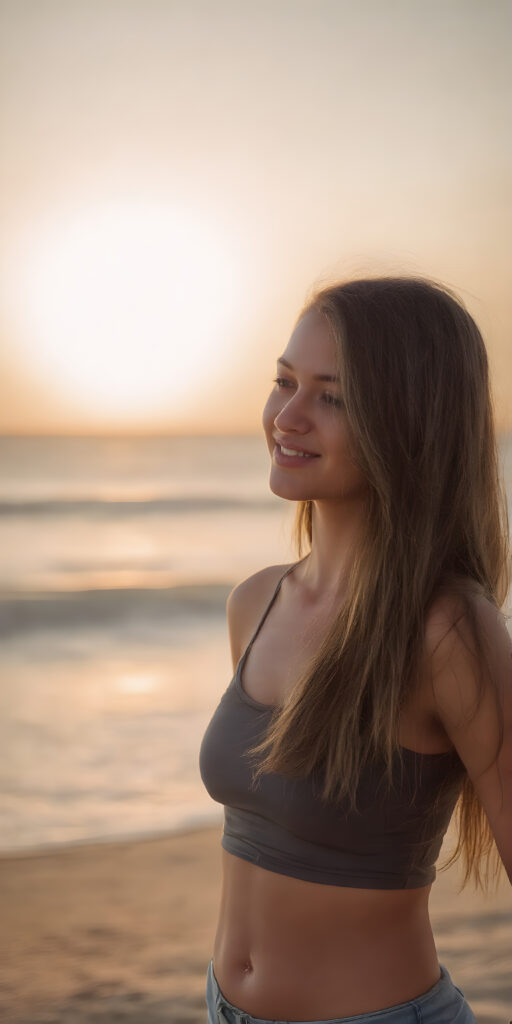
{"x":316,"y":376}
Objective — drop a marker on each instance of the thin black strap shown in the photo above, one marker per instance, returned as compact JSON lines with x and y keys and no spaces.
{"x":267,"y":609}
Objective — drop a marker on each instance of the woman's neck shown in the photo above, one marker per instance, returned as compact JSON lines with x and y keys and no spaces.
{"x":336,"y":528}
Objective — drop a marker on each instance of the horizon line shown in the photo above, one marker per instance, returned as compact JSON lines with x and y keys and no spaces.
{"x":154,"y":435}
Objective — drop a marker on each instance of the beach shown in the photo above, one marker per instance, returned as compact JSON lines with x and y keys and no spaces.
{"x":124,"y":931}
{"x":113,"y":931}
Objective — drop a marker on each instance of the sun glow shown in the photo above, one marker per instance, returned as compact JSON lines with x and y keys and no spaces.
{"x":127,"y":307}
{"x":137,"y":683}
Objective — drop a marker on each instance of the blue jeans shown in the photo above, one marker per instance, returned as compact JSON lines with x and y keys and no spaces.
{"x":442,"y":1004}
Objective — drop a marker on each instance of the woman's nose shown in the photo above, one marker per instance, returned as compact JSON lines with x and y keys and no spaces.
{"x":293,"y":416}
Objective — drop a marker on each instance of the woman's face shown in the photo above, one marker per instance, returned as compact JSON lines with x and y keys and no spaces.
{"x":305,"y":412}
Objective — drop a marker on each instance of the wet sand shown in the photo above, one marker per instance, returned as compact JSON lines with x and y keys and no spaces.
{"x":124,"y":932}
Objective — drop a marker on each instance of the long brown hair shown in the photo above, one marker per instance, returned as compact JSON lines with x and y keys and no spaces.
{"x":415,"y":384}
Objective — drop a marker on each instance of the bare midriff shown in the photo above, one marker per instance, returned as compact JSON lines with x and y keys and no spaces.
{"x":286,"y":949}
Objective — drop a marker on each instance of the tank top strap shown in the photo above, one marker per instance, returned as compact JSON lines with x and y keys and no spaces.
{"x":269,"y":606}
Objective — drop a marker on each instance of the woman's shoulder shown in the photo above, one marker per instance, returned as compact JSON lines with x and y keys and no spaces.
{"x":466,"y":642}
{"x":246,"y":604}
{"x":459,"y":617}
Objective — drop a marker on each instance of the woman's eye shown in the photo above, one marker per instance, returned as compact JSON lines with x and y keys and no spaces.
{"x":332,"y":400}
{"x":336,"y":403}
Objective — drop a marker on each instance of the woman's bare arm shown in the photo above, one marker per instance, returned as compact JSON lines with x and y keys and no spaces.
{"x":468,"y":704}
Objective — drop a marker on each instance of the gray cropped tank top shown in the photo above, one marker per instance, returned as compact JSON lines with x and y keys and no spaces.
{"x":390,"y":841}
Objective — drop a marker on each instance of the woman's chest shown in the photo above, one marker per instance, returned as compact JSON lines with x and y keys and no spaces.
{"x":275,"y":663}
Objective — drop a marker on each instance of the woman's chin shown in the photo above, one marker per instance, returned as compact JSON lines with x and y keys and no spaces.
{"x":288,"y":489}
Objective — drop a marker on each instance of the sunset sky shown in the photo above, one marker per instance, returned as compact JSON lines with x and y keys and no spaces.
{"x":177,"y":174}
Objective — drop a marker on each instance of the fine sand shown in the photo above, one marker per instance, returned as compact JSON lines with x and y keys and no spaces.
{"x":124,"y":931}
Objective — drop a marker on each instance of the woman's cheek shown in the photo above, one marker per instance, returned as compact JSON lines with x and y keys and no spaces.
{"x":270,"y":411}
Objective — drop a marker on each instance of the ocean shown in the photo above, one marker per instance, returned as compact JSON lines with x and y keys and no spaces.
{"x":116,"y":558}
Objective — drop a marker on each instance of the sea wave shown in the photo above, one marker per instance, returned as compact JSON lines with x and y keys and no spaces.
{"x":106,"y":508}
{"x":24,"y":612}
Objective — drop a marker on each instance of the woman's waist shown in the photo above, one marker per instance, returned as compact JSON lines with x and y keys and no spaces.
{"x":285,"y":944}
{"x":301,"y":979}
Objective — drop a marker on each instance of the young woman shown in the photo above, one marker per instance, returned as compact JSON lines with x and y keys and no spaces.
{"x":373,"y":677}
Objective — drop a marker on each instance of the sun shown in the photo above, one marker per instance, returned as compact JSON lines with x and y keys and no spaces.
{"x":127,"y":307}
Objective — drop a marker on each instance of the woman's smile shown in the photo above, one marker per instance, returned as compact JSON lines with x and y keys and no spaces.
{"x":292,"y":455}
